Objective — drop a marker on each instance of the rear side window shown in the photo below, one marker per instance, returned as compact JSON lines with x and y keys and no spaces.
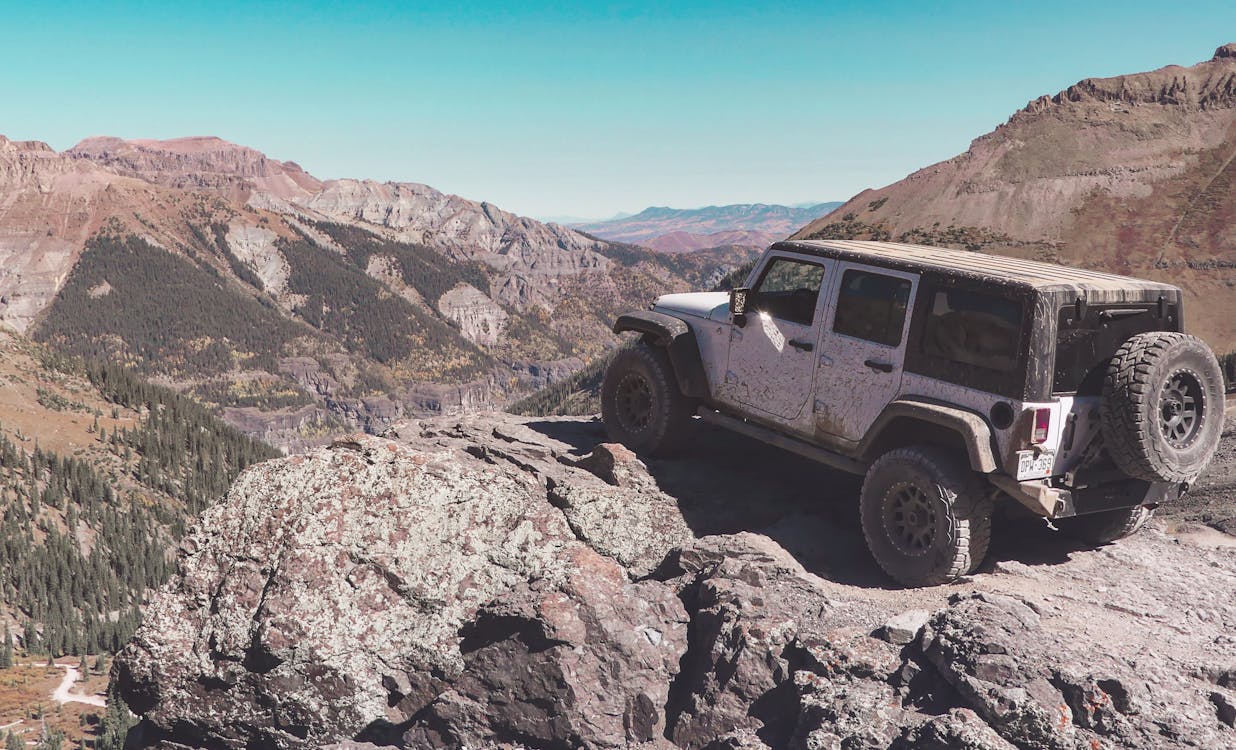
{"x":789,"y":289}
{"x":973,"y":328}
{"x":872,"y":306}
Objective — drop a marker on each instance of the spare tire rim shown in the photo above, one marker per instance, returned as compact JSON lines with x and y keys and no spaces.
{"x":634,"y":402}
{"x":1181,"y":408}
{"x":910,"y":519}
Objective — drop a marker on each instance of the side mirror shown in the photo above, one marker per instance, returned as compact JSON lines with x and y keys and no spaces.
{"x":738,"y":305}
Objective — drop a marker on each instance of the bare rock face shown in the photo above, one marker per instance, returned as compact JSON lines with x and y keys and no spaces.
{"x":582,"y":663}
{"x":480,"y":319}
{"x":500,"y":582}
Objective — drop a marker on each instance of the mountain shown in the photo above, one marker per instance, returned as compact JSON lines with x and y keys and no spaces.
{"x":679,"y":230}
{"x":301,"y":307}
{"x":1134,"y":174}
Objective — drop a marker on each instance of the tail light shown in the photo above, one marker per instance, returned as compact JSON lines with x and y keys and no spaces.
{"x":1042,"y":425}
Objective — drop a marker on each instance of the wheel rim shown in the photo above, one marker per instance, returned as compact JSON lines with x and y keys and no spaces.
{"x":910,"y":519}
{"x":634,"y":402}
{"x":1181,"y":409}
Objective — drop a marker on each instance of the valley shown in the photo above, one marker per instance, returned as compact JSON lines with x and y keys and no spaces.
{"x":675,"y":230}
{"x":101,"y":474}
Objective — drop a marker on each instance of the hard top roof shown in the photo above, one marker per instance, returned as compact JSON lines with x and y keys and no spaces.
{"x":1041,"y":276}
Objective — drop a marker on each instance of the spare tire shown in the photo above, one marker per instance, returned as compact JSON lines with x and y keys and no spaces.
{"x":1162,"y":406}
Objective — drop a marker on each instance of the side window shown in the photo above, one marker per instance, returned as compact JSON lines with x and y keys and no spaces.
{"x":974,"y":328}
{"x":872,"y":306}
{"x":788,"y":290}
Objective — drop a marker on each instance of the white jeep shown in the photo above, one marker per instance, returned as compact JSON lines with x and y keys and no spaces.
{"x":950,"y":379}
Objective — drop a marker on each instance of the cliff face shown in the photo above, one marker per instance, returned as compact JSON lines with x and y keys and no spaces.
{"x":496,"y":582}
{"x":1131,"y":174}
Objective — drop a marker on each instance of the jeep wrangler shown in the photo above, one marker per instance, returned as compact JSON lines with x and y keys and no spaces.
{"x":951,"y":380}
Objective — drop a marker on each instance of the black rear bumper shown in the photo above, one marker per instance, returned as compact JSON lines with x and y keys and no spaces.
{"x":1112,"y":495}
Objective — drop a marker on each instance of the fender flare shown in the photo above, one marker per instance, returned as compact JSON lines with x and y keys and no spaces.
{"x":969,"y":426}
{"x":679,"y":342}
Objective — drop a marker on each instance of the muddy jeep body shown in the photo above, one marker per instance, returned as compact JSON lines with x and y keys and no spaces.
{"x":1004,"y":369}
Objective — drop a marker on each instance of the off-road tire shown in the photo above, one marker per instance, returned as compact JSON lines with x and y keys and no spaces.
{"x":930,"y":480}
{"x":1152,"y":383}
{"x":1106,"y":526}
{"x":639,"y":373}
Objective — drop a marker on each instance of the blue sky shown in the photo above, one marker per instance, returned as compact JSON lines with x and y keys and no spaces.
{"x":583,"y":109}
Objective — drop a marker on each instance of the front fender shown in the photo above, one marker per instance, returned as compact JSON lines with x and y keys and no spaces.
{"x":679,"y":342}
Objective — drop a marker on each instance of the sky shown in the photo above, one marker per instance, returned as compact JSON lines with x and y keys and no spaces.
{"x":579,"y":109}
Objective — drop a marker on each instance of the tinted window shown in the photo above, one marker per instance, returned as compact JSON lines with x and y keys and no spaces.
{"x":872,"y":306}
{"x":1085,"y":345}
{"x":789,"y":289}
{"x":974,"y":328}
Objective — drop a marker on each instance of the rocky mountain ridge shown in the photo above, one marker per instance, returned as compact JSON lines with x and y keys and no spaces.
{"x":302,"y":306}
{"x":1131,"y":174}
{"x":500,"y":582}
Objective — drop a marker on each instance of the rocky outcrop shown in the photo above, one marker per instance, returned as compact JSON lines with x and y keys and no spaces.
{"x":499,"y":582}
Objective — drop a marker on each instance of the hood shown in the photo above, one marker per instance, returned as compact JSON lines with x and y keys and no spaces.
{"x":710,"y":305}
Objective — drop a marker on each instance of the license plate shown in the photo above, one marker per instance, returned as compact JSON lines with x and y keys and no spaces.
{"x":1035,"y":464}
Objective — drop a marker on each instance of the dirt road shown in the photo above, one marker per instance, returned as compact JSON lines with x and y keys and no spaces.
{"x":64,"y":692}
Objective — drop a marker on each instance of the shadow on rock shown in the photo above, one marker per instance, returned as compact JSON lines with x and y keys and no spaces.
{"x":726,"y":483}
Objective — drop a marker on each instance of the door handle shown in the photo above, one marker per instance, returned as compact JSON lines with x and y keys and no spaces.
{"x":881,"y":366}
{"x":802,"y":346}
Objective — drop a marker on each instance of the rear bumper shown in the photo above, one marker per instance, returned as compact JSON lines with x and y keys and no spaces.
{"x":1061,"y":502}
{"x":1124,"y":494}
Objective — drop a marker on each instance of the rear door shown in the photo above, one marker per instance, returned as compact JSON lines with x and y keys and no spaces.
{"x":862,"y":348}
{"x":772,"y":359}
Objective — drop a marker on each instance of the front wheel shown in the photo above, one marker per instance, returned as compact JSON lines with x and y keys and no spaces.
{"x":640,"y":402}
{"x":925,"y":515}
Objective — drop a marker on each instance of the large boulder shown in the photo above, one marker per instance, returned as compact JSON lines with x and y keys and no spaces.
{"x":494,"y":582}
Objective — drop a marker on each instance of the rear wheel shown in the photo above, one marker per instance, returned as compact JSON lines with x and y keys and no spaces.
{"x":925,"y":515}
{"x":640,"y":402}
{"x":1106,"y":526}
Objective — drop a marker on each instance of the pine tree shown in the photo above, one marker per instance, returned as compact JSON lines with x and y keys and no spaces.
{"x":6,"y":648}
{"x":14,"y":742}
{"x":53,"y":739}
{"x":117,"y":722}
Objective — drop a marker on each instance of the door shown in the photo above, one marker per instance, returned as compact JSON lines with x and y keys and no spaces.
{"x":772,"y":359}
{"x":862,"y":349}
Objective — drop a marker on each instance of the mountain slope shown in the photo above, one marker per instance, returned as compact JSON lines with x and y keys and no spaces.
{"x":100,"y":473}
{"x":299,"y":306}
{"x":676,"y":229}
{"x":1133,"y":174}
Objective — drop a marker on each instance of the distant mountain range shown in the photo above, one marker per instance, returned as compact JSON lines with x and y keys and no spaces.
{"x":1134,"y":174}
{"x":674,"y":230}
{"x":302,"y":307}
